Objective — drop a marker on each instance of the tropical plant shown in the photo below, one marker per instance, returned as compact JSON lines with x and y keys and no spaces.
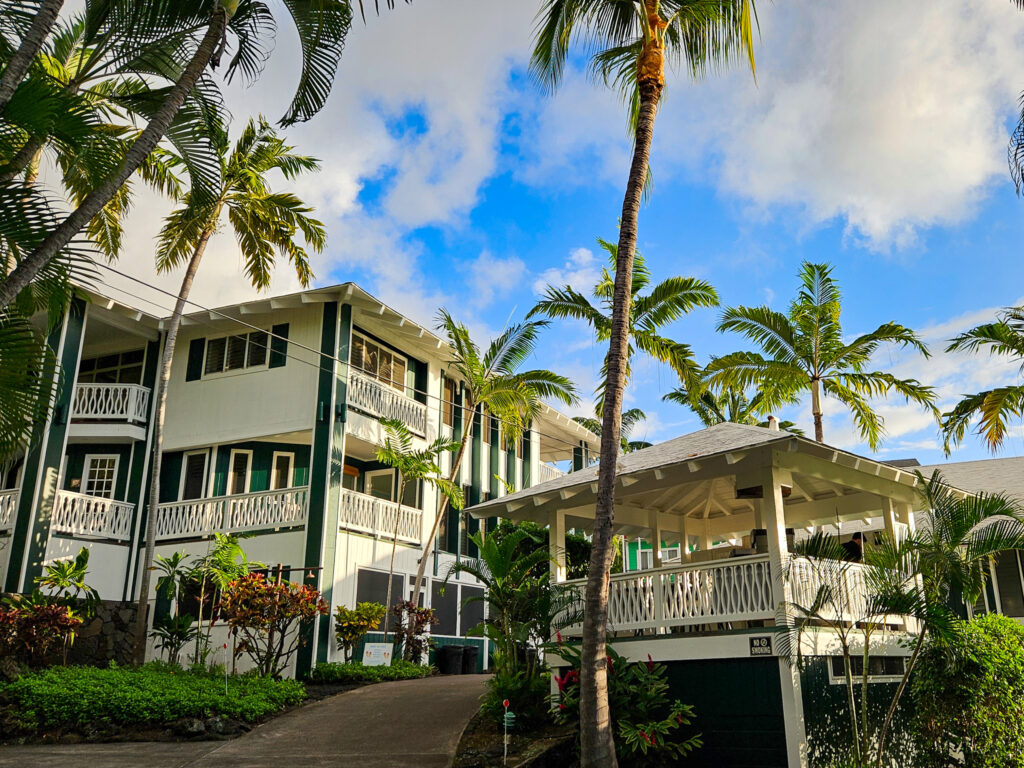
{"x":728,"y":404}
{"x":270,"y":617}
{"x":804,"y":350}
{"x":352,"y":624}
{"x":415,"y":622}
{"x":414,"y":466}
{"x":648,"y":724}
{"x":630,"y":419}
{"x":65,"y":578}
{"x":577,"y":547}
{"x":994,"y":408}
{"x":34,"y":627}
{"x":262,"y":221}
{"x":1015,"y":152}
{"x":179,"y":40}
{"x":493,"y":382}
{"x":29,"y":378}
{"x":627,"y":43}
{"x":173,"y":633}
{"x":649,"y":313}
{"x":173,"y":576}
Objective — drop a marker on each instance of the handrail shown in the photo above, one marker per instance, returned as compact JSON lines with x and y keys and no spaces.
{"x":111,"y":402}
{"x":232,"y":514}
{"x":8,"y":505}
{"x":368,"y":514}
{"x":83,"y":515}
{"x":383,"y":401}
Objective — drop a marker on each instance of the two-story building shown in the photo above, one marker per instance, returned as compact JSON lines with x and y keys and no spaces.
{"x":271,"y":429}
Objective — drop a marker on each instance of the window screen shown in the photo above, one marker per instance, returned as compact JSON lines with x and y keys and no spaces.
{"x":372,"y":587}
{"x":1008,"y":577}
{"x":472,"y":613}
{"x":446,"y":607}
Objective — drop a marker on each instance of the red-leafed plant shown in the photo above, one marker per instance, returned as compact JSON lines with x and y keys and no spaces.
{"x":269,"y":617}
{"x":34,"y":628}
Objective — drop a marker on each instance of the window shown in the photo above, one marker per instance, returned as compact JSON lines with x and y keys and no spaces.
{"x":380,"y":483}
{"x":372,"y":587}
{"x":485,"y":425}
{"x":1009,"y":584}
{"x":238,"y":476}
{"x":99,"y":476}
{"x":118,"y":368}
{"x":350,"y":478}
{"x":645,"y":559}
{"x":881,"y":669}
{"x":281,"y":471}
{"x":451,"y":392}
{"x":411,"y":494}
{"x":380,"y":363}
{"x":232,"y":353}
{"x":193,"y":476}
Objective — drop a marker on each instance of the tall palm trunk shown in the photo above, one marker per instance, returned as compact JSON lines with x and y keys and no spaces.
{"x":20,"y":62}
{"x":158,"y":441}
{"x":819,"y":431}
{"x":891,"y":712}
{"x":394,"y":546}
{"x":597,"y":742}
{"x":94,"y":202}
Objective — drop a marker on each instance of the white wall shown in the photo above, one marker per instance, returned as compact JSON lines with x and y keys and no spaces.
{"x":107,"y":562}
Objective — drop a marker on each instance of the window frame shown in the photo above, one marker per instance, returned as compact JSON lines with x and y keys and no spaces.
{"x":273,"y":470}
{"x":834,"y":679}
{"x":231,"y":471}
{"x":116,"y":369}
{"x":113,"y":480}
{"x":381,"y":347}
{"x":245,"y":368}
{"x":374,"y":472}
{"x":205,"y":452}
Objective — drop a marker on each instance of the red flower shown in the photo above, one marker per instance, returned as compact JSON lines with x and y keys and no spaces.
{"x":650,"y":663}
{"x":558,"y":637}
{"x":561,"y":707}
{"x":646,"y":737}
{"x":679,"y":719}
{"x":611,"y":667}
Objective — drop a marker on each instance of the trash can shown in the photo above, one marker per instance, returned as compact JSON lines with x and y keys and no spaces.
{"x":470,"y":658}
{"x":449,"y":659}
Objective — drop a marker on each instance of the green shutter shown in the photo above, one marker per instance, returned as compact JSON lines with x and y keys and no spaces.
{"x":279,"y":345}
{"x":196,"y":349}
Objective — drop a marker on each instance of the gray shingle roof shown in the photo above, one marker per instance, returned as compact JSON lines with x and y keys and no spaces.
{"x":988,"y":475}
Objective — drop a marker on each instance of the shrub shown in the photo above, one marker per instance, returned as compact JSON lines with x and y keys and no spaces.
{"x":153,"y":694}
{"x":35,"y":628}
{"x":415,"y":622}
{"x":173,"y":633}
{"x":647,"y":724}
{"x":269,"y":616}
{"x":354,"y":672}
{"x":527,"y":695}
{"x":969,"y":694}
{"x":352,"y":624}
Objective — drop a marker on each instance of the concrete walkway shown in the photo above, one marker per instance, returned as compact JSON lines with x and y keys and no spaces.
{"x":389,"y":725}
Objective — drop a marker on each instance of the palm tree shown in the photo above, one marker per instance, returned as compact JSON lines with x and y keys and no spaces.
{"x":730,"y":404}
{"x":665,"y":303}
{"x":630,"y":419}
{"x":804,"y":350}
{"x":627,"y":42}
{"x":413,"y":466}
{"x":32,"y":28}
{"x":179,"y":39}
{"x":262,"y":220}
{"x":994,"y":408}
{"x":492,"y":382}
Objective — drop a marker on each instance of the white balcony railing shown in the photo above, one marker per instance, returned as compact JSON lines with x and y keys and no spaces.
{"x":232,"y":514}
{"x":547,"y":472}
{"x":8,"y":507}
{"x":111,"y":402}
{"x":82,"y":515}
{"x":378,"y":399}
{"x":718,"y":592}
{"x":368,"y":514}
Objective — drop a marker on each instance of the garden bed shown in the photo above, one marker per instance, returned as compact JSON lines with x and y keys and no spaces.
{"x":354,"y":673}
{"x":548,"y":746}
{"x":152,"y":703}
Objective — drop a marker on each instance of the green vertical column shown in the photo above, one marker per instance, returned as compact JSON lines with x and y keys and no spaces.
{"x":42,"y":463}
{"x":527,"y":460}
{"x":325,"y":474}
{"x":138,"y":480}
{"x":578,"y":458}
{"x":476,"y":474}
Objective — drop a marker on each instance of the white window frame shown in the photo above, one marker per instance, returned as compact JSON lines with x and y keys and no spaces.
{"x":373,"y":472}
{"x":245,"y":368}
{"x":5,"y":469}
{"x":85,"y":473}
{"x":205,"y":452}
{"x":834,"y":679}
{"x":273,"y":470}
{"x":367,"y":340}
{"x":644,"y":554}
{"x":231,"y":471}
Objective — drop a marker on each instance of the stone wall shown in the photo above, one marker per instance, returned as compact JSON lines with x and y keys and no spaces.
{"x":107,"y":637}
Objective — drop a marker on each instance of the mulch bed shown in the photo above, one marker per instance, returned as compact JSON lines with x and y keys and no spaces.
{"x":481,"y":746}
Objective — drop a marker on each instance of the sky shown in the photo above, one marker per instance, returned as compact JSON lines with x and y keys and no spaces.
{"x":874,"y":138}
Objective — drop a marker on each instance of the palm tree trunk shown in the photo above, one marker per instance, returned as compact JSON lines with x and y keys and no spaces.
{"x":891,"y":712}
{"x":94,"y":202}
{"x":851,"y":702}
{"x":597,"y":742}
{"x":394,"y":546}
{"x":819,"y":432}
{"x":158,"y":440}
{"x":22,"y":159}
{"x":20,"y":62}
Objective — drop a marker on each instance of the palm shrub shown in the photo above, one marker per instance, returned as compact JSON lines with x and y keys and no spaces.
{"x":173,"y":633}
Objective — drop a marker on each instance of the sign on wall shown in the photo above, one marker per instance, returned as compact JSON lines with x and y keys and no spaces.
{"x":377,"y":655}
{"x":761,"y":645}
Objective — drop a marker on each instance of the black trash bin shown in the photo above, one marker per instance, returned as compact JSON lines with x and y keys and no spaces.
{"x":449,"y":659}
{"x":470,"y":658}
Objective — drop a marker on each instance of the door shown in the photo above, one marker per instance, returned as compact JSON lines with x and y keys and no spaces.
{"x":381,"y":484}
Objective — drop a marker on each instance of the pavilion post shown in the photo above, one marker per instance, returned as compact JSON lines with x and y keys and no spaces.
{"x":889,"y":516}
{"x":556,"y":545}
{"x":659,"y":610}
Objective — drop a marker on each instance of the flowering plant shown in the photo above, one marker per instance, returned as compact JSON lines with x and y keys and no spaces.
{"x":269,"y":616}
{"x":34,"y":627}
{"x":647,"y":723}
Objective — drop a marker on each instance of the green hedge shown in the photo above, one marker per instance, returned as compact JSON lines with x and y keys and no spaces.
{"x":152,"y":694}
{"x":355,"y":672}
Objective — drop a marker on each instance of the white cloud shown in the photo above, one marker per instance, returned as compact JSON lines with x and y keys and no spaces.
{"x":581,"y":271}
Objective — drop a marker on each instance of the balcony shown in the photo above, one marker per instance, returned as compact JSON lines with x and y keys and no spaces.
{"x":8,"y":508}
{"x":92,"y":516}
{"x":119,"y":403}
{"x":368,"y":514}
{"x":240,"y":513}
{"x":384,"y":402}
{"x":546,"y":472}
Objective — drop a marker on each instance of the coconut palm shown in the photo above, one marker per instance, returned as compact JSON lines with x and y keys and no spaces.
{"x":262,"y":220}
{"x":180,"y":39}
{"x":649,"y":312}
{"x":627,"y":43}
{"x":492,"y":382}
{"x":993,"y":408}
{"x":413,"y":466}
{"x":804,"y":350}
{"x":730,"y":404}
{"x":630,"y":419}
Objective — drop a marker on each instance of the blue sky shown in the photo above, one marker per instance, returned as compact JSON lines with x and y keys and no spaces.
{"x":873,"y":139}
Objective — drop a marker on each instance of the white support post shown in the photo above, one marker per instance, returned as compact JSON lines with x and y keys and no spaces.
{"x":906,"y":513}
{"x":705,"y":536}
{"x":659,"y":611}
{"x":684,"y":539}
{"x":889,"y":516}
{"x":556,"y":545}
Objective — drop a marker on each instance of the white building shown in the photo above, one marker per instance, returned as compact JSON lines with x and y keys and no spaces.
{"x":271,"y":428}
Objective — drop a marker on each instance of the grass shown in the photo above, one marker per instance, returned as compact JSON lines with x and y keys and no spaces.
{"x":356,"y":673}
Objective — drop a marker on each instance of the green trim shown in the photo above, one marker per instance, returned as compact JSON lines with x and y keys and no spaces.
{"x":43,"y":466}
{"x":194,"y":366}
{"x":578,"y":458}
